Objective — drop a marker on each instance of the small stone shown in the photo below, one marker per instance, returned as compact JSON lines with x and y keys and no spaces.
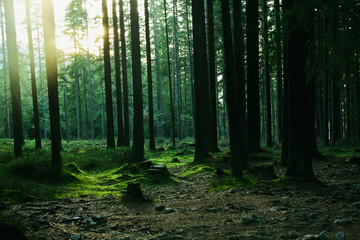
{"x":310,"y":237}
{"x":324,"y":235}
{"x":275,"y":202}
{"x":160,"y":207}
{"x":310,"y":200}
{"x":215,"y":209}
{"x":252,"y":218}
{"x":355,"y":205}
{"x":340,"y":236}
{"x":169,"y":210}
{"x":343,"y":221}
{"x":76,"y":237}
{"x":96,"y":218}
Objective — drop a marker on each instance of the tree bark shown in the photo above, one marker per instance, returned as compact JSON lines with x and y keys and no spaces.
{"x":120,"y":141}
{"x":14,"y":77}
{"x":51,"y":69}
{"x":108,"y":88}
{"x":279,"y":72}
{"x":150,"y":81}
{"x":252,"y":49}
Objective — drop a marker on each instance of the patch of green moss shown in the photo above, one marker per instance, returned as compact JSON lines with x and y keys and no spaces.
{"x":200,"y":169}
{"x":225,"y":183}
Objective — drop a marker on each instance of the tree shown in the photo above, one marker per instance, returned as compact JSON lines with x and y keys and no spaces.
{"x":212,"y":133}
{"x":117,"y":78}
{"x":279,"y":72}
{"x":169,"y":72}
{"x":301,"y":93}
{"x":33,"y":78}
{"x":252,"y":49}
{"x":51,"y":70}
{"x":124,"y":73}
{"x":8,"y":129}
{"x":149,"y":73}
{"x":201,"y":82}
{"x":108,"y":88}
{"x":237,"y":146}
{"x":138,"y":129}
{"x":14,"y":77}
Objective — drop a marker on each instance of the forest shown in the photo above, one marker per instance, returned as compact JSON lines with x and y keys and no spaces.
{"x":180,"y":119}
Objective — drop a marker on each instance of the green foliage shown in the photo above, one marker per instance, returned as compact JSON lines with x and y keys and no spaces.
{"x":200,"y":169}
{"x":224,"y":183}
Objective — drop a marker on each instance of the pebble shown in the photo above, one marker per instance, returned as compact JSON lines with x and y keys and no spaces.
{"x":159,"y":207}
{"x":324,"y":235}
{"x":96,"y":218}
{"x":310,"y":237}
{"x":343,"y":221}
{"x":340,"y":236}
{"x":355,"y":205}
{"x":234,"y":238}
{"x":76,"y":237}
{"x":252,"y":218}
{"x":169,"y":210}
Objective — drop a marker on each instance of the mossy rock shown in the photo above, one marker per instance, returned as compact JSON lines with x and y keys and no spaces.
{"x":73,"y":167}
{"x":127,"y":168}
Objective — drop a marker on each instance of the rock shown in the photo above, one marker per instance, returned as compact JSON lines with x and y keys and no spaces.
{"x":357,"y":187}
{"x":234,"y":238}
{"x":96,"y":218}
{"x":250,"y":219}
{"x":275,"y":202}
{"x":324,"y":235}
{"x":76,"y":237}
{"x":159,"y":170}
{"x":310,"y":200}
{"x":214,"y":209}
{"x":310,"y":237}
{"x":160,"y":207}
{"x":169,"y":210}
{"x":343,"y":221}
{"x":340,"y":236}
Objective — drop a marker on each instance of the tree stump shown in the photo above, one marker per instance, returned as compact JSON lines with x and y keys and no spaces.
{"x":134,"y":192}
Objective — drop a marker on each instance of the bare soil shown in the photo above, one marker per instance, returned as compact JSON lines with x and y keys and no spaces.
{"x":189,"y":211}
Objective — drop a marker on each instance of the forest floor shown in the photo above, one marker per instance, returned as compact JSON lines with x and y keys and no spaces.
{"x":202,"y":202}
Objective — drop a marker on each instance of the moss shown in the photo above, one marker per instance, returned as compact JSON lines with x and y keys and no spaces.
{"x":225,"y":183}
{"x":197,"y":170}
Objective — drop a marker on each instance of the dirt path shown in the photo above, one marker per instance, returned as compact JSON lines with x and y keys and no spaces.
{"x":189,"y":211}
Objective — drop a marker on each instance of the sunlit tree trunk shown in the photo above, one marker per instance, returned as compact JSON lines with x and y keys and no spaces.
{"x":120,"y":141}
{"x":14,"y":76}
{"x":124,"y":75}
{"x":108,"y":88}
{"x":51,"y":67}
{"x":170,"y":85}
{"x":33,"y":78}
{"x":8,"y":128}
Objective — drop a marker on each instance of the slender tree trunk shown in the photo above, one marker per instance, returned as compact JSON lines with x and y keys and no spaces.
{"x":78,"y":128}
{"x":33,"y":77}
{"x":138,"y":129}
{"x":170,"y":86}
{"x":108,"y":88}
{"x":190,"y":59}
{"x":237,"y":143}
{"x":14,"y":76}
{"x":124,"y":73}
{"x":252,"y":49}
{"x":51,"y":67}
{"x":67,"y":129}
{"x":8,"y":128}
{"x":120,"y":141}
{"x":92,"y":133}
{"x":212,"y":133}
{"x":102,"y":110}
{"x":149,"y":73}
{"x":268,"y":135}
{"x":279,"y":85}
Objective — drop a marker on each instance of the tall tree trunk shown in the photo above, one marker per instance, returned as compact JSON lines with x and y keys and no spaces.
{"x":138,"y":129}
{"x":170,"y":86}
{"x":237,"y":144}
{"x":268,"y":135}
{"x":77,"y":101}
{"x":252,"y":49}
{"x":212,"y":133}
{"x":8,"y":128}
{"x":67,"y":129}
{"x":33,"y":78}
{"x":149,"y":73}
{"x":51,"y":69}
{"x":201,"y":80}
{"x":108,"y":88}
{"x":120,"y":141}
{"x":279,"y":71}
{"x":190,"y":59}
{"x":301,"y":96}
{"x":92,"y":133}
{"x":124,"y":75}
{"x":14,"y":76}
